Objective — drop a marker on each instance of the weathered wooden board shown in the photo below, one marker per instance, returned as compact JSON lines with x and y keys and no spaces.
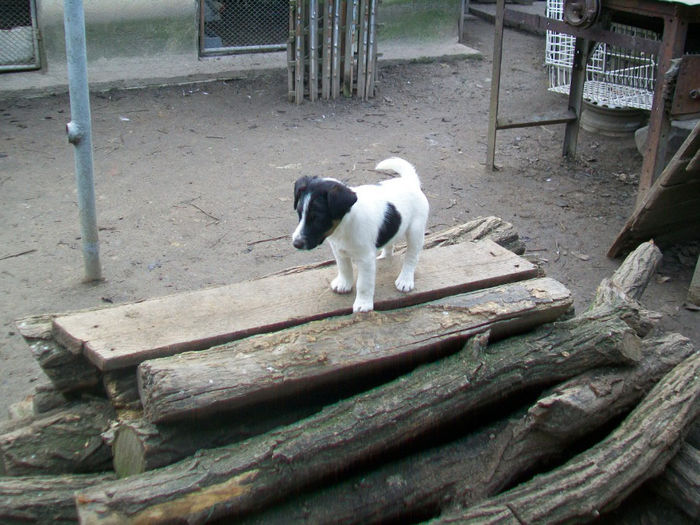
{"x":126,"y":335}
{"x":670,"y":210}
{"x":278,"y":365}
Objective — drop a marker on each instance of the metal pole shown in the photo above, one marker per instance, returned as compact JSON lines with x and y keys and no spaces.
{"x":80,"y":133}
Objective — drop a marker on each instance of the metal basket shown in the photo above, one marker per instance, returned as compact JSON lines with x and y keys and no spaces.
{"x":615,"y":77}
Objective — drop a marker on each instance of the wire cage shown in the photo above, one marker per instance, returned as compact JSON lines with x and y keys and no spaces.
{"x":615,"y":77}
{"x":18,"y":35}
{"x":243,"y":26}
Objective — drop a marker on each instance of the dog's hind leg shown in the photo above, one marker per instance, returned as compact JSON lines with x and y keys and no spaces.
{"x":414,"y":245}
{"x":366,"y":275}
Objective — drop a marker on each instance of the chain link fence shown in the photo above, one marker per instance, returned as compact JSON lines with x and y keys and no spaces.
{"x":18,"y":40}
{"x":228,"y":26}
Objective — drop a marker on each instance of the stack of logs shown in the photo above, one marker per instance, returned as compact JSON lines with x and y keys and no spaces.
{"x":496,"y":405}
{"x":332,"y":49}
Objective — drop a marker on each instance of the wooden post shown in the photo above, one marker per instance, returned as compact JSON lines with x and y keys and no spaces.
{"x":313,"y":50}
{"x":299,"y":52}
{"x":327,"y":46}
{"x":335,"y":54}
{"x":495,"y":84}
{"x":290,"y":52}
{"x":350,"y":42}
{"x":362,"y":48}
{"x":371,"y":51}
{"x":582,"y":49}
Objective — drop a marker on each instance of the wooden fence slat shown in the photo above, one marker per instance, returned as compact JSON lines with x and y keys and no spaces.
{"x":313,"y":50}
{"x":327,"y":46}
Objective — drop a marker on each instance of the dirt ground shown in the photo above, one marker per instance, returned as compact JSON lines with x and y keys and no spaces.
{"x":194,"y":184}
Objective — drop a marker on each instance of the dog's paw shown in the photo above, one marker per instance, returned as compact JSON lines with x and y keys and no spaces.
{"x":340,"y":285}
{"x":363,"y":305}
{"x":404,"y":284}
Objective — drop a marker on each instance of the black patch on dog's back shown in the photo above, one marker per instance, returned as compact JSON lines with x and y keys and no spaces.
{"x":392,"y":221}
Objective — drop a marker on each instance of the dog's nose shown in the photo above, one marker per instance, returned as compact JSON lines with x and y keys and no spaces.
{"x":298,"y":243}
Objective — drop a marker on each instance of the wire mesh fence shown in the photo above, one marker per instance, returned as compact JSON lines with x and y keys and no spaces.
{"x":243,"y":25}
{"x":615,"y":77}
{"x":18,"y":42}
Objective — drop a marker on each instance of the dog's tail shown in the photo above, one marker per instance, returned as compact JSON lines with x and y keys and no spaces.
{"x":402,"y":167}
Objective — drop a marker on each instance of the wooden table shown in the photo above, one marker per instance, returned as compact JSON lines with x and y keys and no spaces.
{"x":673,"y":17}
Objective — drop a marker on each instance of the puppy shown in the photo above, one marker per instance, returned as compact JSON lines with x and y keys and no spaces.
{"x":360,"y":220}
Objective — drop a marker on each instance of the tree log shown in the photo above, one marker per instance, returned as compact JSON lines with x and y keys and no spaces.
{"x":322,"y":353}
{"x":235,"y":480}
{"x":484,"y":463}
{"x":64,"y":441}
{"x":680,"y":481}
{"x":140,"y":445}
{"x":626,"y":286}
{"x":122,"y":389}
{"x":68,"y":372}
{"x":44,"y":499}
{"x":597,"y":480}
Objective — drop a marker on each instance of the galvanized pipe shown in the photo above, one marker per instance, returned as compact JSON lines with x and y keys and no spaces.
{"x":79,"y":131}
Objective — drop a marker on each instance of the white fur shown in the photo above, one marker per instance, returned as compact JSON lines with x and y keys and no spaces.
{"x":355,"y":237}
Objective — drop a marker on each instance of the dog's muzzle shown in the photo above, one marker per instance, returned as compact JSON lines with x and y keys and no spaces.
{"x":299,"y":243}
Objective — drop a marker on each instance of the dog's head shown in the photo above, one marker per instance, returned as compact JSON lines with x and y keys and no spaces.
{"x":321,"y":204}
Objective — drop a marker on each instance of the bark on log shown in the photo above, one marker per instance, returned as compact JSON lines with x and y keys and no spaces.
{"x":44,"y":499}
{"x":67,"y":371}
{"x":140,"y":445}
{"x":680,"y":482}
{"x":122,"y":389}
{"x":600,"y":478}
{"x":322,"y":353}
{"x":484,"y":463}
{"x":627,"y":285}
{"x":61,"y":442}
{"x":232,"y":481}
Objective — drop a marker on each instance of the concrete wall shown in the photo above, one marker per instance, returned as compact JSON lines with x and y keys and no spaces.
{"x":122,"y":29}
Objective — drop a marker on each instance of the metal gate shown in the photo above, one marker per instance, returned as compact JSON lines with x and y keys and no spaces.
{"x":243,"y":26}
{"x":19,"y":47}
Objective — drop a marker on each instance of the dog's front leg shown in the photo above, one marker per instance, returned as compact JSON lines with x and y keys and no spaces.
{"x":343,"y":282}
{"x":366,"y":274}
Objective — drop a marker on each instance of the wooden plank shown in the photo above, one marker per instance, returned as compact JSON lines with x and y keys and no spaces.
{"x":319,"y":354}
{"x":642,"y":225}
{"x":127,"y":334}
{"x":552,"y":117}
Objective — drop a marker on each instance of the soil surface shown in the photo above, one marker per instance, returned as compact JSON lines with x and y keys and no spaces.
{"x":194,"y":184}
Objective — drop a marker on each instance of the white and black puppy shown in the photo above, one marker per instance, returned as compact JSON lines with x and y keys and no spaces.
{"x":357,"y":221}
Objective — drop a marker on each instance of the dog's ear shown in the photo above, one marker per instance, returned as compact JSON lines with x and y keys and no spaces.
{"x":300,"y":187}
{"x":340,"y":200}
